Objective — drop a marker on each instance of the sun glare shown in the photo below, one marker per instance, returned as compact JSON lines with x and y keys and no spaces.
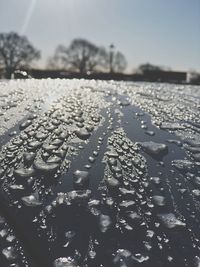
{"x":28,"y":16}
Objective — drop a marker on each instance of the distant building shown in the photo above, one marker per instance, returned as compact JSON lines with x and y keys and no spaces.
{"x":149,"y":76}
{"x":1,"y":73}
{"x":165,"y":76}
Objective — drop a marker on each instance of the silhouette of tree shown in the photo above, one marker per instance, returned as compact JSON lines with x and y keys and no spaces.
{"x":81,"y":56}
{"x":58,"y":61}
{"x":15,"y":52}
{"x":116,"y":60}
{"x":119,"y":62}
{"x":147,"y":67}
{"x":194,"y":77}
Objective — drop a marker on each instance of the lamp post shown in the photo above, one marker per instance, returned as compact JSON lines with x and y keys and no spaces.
{"x":112,"y":47}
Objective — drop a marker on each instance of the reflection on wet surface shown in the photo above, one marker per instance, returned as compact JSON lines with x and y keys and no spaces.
{"x":99,"y":174}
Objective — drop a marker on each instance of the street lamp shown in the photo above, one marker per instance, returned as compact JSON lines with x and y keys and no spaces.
{"x":112,"y":47}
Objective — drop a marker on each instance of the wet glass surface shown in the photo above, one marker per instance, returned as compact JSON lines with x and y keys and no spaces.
{"x":99,"y":174}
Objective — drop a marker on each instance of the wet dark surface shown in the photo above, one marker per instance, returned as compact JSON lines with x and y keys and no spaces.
{"x":99,"y":174}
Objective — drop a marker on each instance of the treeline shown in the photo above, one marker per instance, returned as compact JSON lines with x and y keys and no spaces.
{"x":81,"y":58}
{"x":85,"y":57}
{"x":17,"y":52}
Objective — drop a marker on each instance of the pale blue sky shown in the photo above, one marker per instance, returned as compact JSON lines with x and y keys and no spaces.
{"x":163,"y":32}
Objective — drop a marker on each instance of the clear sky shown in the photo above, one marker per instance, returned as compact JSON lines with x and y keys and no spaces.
{"x":162,"y":32}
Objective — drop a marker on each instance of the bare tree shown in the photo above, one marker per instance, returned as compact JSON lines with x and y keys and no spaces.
{"x":16,"y":52}
{"x":58,"y":60}
{"x":194,"y":77}
{"x":116,"y":60}
{"x":81,"y":56}
{"x":119,"y":62}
